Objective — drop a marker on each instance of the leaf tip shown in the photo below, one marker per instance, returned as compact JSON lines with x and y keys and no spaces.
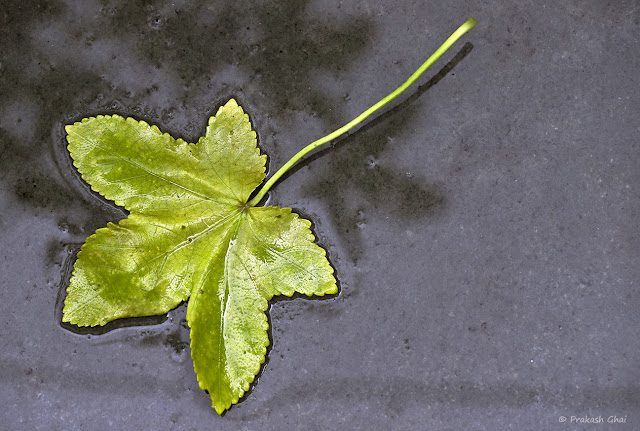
{"x":69,"y":316}
{"x":219,"y":410}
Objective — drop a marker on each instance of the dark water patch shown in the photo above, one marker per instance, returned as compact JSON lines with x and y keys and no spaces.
{"x":24,"y":157}
{"x":277,"y":43}
{"x":175,"y":339}
{"x":111,"y":326}
{"x":19,"y":16}
{"x":41,"y":191}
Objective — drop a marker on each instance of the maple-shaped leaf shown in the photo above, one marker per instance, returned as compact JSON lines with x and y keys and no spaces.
{"x":190,"y":235}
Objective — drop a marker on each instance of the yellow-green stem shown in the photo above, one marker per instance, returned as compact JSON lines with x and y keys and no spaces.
{"x":468,"y":25}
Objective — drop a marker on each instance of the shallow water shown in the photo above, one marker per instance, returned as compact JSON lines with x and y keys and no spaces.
{"x":484,"y":229}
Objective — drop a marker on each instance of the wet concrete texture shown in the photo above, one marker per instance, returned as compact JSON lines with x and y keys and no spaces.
{"x":484,"y":229}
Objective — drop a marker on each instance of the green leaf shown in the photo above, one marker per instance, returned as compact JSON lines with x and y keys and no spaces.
{"x":190,"y":235}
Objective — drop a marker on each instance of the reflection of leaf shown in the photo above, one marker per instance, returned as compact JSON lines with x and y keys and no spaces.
{"x":190,"y":235}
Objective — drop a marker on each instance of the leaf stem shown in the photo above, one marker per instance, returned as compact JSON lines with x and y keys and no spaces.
{"x":468,"y":25}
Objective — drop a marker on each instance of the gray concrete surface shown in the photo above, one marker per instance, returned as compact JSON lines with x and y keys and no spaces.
{"x":484,"y":229}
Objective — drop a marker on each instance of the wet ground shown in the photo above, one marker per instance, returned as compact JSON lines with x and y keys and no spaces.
{"x":484,"y":229}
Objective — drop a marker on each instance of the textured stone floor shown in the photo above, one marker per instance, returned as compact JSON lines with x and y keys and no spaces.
{"x":484,"y":229}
